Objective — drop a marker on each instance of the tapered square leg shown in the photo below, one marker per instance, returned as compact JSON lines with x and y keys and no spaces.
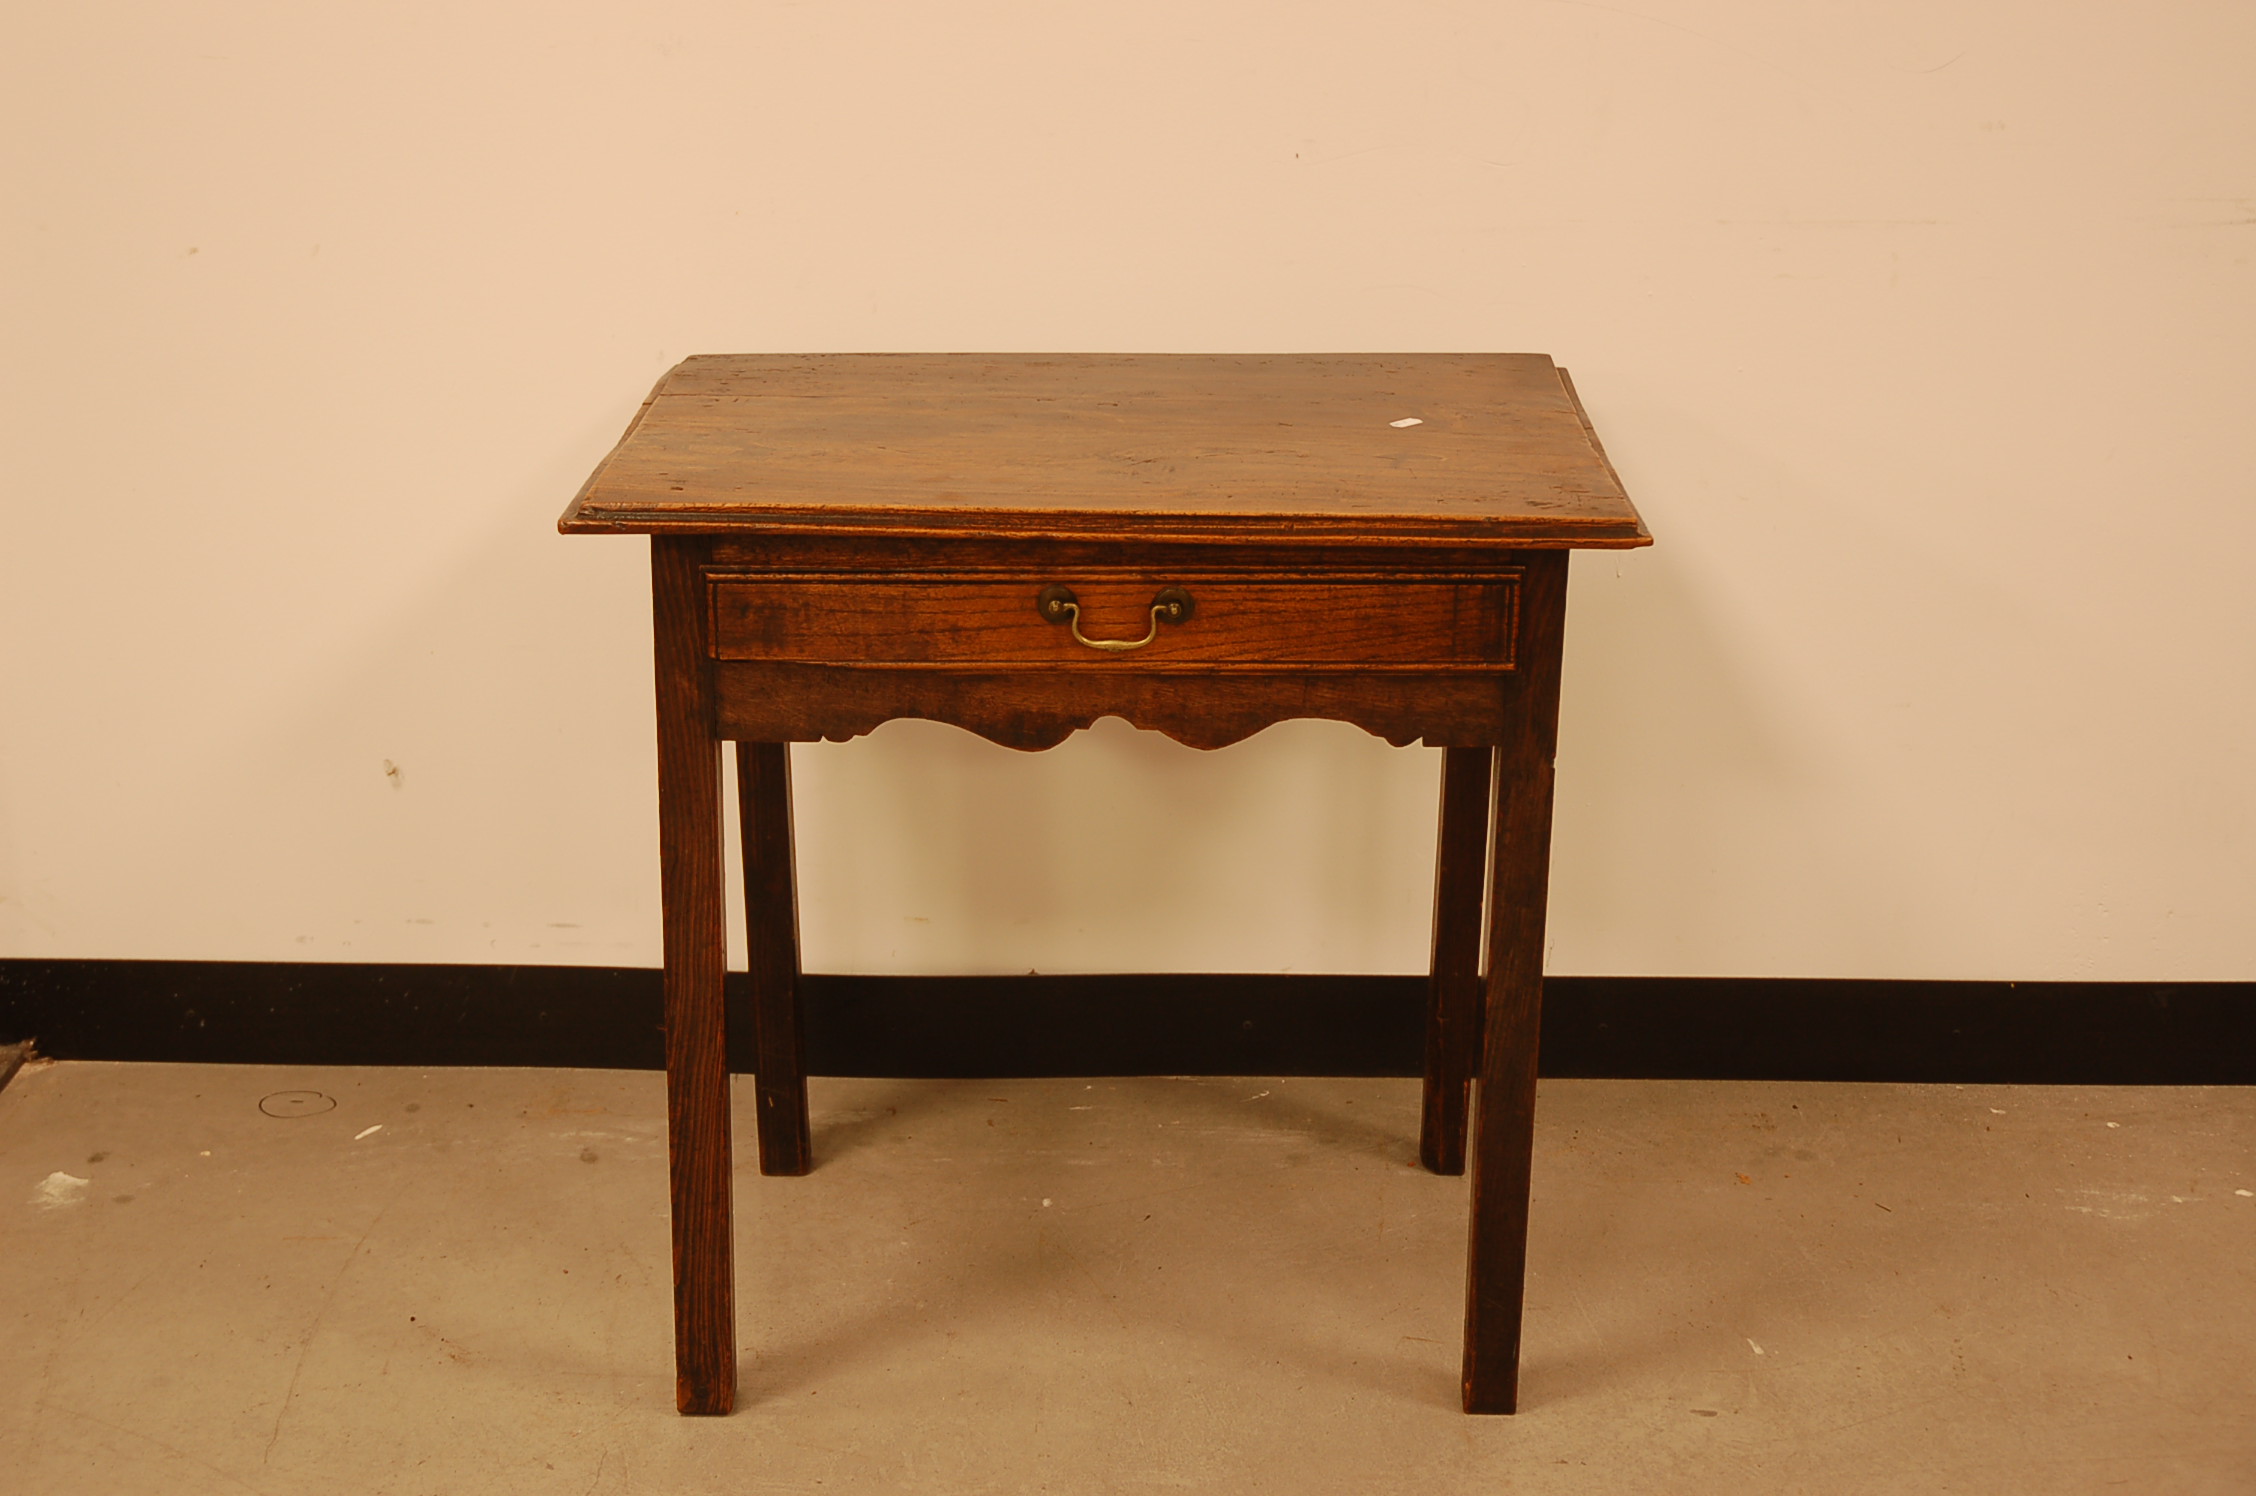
{"x":1453,"y":999}
{"x":696,"y":957}
{"x":771,"y":922}
{"x":1504,"y":1123}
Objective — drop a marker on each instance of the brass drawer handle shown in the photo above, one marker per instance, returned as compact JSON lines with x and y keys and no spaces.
{"x":1059,"y":605}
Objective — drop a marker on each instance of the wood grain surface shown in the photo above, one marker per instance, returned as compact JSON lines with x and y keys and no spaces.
{"x":785,"y":702}
{"x":1472,"y":446}
{"x":771,"y":923}
{"x":697,"y":1079}
{"x":1453,"y":997}
{"x":1504,"y":1120}
{"x":1237,"y":622}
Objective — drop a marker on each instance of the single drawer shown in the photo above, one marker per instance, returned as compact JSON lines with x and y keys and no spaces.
{"x":1150,"y":621}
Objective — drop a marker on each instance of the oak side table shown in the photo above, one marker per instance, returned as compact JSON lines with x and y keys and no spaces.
{"x":1020,"y":544}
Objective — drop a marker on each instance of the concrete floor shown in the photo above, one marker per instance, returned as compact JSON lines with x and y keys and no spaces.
{"x":456,"y":1282}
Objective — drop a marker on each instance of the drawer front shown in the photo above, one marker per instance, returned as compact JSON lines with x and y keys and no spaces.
{"x":1234,"y":622}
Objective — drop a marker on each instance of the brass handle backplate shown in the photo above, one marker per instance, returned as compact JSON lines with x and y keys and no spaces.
{"x":1059,"y":605}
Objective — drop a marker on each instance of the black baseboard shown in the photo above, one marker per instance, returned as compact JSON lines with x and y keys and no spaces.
{"x":307,"y":1013}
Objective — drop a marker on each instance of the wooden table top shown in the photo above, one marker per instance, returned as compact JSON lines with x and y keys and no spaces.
{"x":1489,"y":448}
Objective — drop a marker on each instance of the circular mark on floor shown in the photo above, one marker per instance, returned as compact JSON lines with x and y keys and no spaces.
{"x":587,"y":1155}
{"x":297,"y":1104}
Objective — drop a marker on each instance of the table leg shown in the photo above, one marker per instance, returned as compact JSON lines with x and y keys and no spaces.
{"x":1453,"y":1001}
{"x":1504,"y":1127}
{"x":696,"y":957}
{"x":771,"y":921}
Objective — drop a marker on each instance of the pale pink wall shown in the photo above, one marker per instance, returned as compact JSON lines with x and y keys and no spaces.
{"x":1922,"y":333}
